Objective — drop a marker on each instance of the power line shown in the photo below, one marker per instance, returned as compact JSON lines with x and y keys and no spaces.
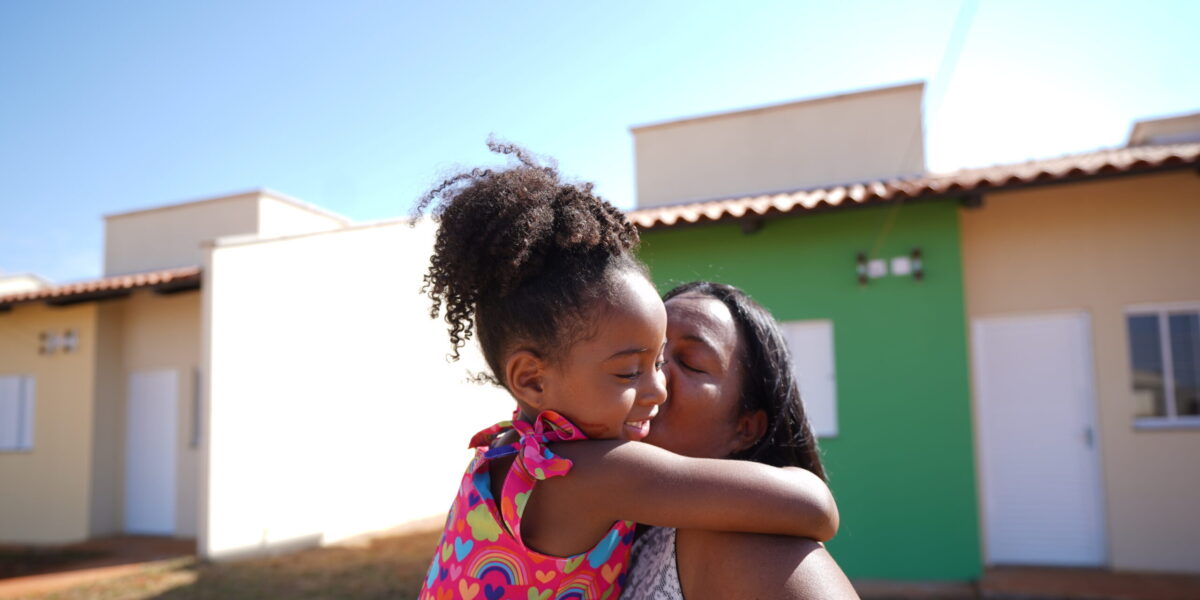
{"x":941,"y":80}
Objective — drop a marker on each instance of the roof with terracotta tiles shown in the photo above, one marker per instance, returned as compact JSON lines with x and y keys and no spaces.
{"x":166,"y":280}
{"x":965,"y":182}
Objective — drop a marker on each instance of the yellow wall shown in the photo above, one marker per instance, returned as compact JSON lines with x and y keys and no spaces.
{"x":163,"y":332}
{"x":44,"y":492}
{"x":1101,"y":247}
{"x":108,"y":426}
{"x":71,"y":486}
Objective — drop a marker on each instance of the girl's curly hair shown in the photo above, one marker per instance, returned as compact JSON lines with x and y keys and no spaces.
{"x":521,"y":257}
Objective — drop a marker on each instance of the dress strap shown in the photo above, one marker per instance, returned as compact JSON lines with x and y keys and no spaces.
{"x":535,"y":458}
{"x":533,"y":462}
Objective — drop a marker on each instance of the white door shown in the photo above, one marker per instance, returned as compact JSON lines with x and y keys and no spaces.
{"x":150,"y":449}
{"x":1039,"y":465}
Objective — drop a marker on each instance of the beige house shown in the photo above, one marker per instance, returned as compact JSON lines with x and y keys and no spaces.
{"x":100,"y":381}
{"x":251,"y":372}
{"x":1092,"y":291}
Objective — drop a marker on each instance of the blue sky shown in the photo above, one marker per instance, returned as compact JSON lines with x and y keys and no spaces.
{"x":359,"y":106}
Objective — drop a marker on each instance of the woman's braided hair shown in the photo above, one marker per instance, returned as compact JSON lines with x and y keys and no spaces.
{"x":521,"y":257}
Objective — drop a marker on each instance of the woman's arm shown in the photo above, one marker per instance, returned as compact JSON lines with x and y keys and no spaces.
{"x":643,"y":483}
{"x":728,"y":566}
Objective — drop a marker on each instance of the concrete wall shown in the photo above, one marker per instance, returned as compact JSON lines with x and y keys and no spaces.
{"x":44,"y":492}
{"x":1102,"y":247}
{"x":1167,"y":130}
{"x":277,"y":218}
{"x":332,"y":409}
{"x":839,"y":139}
{"x":173,"y":236}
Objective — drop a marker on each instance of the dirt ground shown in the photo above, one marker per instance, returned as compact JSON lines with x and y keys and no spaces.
{"x":389,"y":567}
{"x":393,"y":566}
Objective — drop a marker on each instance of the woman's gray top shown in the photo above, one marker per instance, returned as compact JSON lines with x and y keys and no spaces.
{"x":654,"y":574}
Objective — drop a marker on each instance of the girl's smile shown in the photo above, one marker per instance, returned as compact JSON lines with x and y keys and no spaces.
{"x":611,"y":383}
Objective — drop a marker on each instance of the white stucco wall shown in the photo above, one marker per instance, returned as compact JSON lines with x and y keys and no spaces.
{"x":277,"y":217}
{"x":332,"y":410}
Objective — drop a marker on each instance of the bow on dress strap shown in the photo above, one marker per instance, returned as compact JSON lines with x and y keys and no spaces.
{"x":534,"y":456}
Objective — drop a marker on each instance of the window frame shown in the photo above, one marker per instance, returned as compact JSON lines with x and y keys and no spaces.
{"x":1162,"y":312}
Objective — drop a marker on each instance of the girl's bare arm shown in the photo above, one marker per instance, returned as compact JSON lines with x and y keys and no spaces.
{"x":638,"y":482}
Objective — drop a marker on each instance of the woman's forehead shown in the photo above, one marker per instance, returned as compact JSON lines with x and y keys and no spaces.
{"x":702,"y":316}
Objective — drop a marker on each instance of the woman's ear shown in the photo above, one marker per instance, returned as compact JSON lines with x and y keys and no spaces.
{"x":751,"y":427}
{"x":525,"y":373}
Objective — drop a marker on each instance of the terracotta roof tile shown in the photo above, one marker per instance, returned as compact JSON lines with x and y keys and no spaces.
{"x":965,"y":181}
{"x":180,"y":278}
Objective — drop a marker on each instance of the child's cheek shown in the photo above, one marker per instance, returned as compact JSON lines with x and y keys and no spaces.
{"x":596,"y":431}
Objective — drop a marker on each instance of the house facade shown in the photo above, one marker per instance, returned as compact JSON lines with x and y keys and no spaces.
{"x":1001,"y":364}
{"x":1089,"y":292}
{"x":1030,"y":399}
{"x":72,"y":358}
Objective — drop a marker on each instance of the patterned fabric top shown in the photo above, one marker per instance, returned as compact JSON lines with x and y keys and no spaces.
{"x":481,"y":553}
{"x":654,"y":574}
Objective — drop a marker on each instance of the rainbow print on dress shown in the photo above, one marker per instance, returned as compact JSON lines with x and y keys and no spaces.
{"x":479,"y":556}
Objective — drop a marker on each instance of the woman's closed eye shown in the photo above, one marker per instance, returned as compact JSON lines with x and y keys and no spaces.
{"x":679,"y":361}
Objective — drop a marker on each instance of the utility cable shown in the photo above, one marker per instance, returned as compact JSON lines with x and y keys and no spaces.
{"x":941,"y":78}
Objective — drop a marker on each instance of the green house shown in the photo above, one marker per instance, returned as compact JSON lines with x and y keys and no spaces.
{"x":900,"y":459}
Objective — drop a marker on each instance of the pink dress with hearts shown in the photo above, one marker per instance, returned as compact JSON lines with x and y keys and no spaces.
{"x":481,"y":555}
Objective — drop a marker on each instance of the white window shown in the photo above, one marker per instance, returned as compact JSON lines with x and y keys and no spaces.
{"x":1164,"y":356}
{"x":811,"y":346}
{"x":16,"y":413}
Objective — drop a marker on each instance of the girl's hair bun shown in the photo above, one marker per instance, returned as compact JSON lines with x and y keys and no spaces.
{"x":517,"y":240}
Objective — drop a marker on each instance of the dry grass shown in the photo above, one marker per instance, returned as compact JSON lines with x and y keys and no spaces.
{"x":389,"y":567}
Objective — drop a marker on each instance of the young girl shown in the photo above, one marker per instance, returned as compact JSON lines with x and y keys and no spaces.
{"x":571,"y":326}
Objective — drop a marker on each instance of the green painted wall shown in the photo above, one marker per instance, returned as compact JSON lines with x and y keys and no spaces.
{"x":902,"y":463}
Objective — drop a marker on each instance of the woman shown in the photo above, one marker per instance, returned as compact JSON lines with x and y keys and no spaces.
{"x":731,"y":394}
